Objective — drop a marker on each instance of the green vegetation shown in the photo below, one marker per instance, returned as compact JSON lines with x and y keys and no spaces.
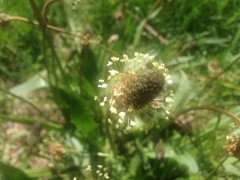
{"x":52,"y":55}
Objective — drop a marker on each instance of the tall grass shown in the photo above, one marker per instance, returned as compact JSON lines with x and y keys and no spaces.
{"x":61,"y":48}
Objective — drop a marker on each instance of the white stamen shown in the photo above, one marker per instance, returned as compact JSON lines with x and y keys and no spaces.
{"x":106,"y":176}
{"x":169,"y":81}
{"x":115,"y":59}
{"x":169,"y":100}
{"x":113,"y":110}
{"x":136,"y":54}
{"x":168,"y":77}
{"x":89,"y":168}
{"x":125,"y":56}
{"x":112,"y":101}
{"x":120,"y":121}
{"x":109,"y":121}
{"x":122,"y":115}
{"x":151,"y":58}
{"x":116,"y":93}
{"x":101,"y":81}
{"x":109,"y":63}
{"x":113,"y":72}
{"x":146,"y":55}
{"x":128,"y":128}
{"x":104,"y":85}
{"x":155,"y":64}
{"x":133,"y":123}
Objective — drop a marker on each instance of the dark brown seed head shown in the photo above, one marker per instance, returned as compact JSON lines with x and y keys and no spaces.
{"x":137,"y":90}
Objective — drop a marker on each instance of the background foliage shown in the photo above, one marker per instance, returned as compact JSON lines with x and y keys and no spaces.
{"x":51,"y":128}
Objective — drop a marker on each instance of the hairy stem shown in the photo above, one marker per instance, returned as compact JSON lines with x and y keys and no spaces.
{"x":212,"y":108}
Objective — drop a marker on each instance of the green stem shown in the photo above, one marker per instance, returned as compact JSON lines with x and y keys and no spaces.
{"x":56,"y":29}
{"x":31,"y":121}
{"x":209,"y":176}
{"x":35,"y":23}
{"x":24,"y":100}
{"x":211,"y":108}
{"x":218,"y":75}
{"x":46,"y":7}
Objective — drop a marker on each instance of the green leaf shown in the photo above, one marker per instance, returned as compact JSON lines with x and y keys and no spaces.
{"x":184,"y":158}
{"x":138,"y":33}
{"x":229,"y":166}
{"x":8,"y":172}
{"x":187,"y":160}
{"x":183,"y":93}
{"x":213,"y":41}
{"x":89,"y":64}
{"x":36,"y":82}
{"x":134,"y":164}
{"x":83,"y":120}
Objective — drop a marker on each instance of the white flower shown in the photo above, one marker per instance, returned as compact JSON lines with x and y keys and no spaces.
{"x":137,"y":90}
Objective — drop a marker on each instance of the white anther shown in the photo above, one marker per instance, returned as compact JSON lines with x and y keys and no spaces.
{"x":109,"y":63}
{"x":122,"y":115}
{"x":113,"y":72}
{"x":113,"y":110}
{"x":114,"y":58}
{"x":104,"y":85}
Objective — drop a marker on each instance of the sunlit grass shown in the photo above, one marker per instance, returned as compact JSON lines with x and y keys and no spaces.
{"x":52,"y":56}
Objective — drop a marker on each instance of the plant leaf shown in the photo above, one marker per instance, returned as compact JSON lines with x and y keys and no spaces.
{"x":8,"y":172}
{"x":183,"y":93}
{"x":36,"y":82}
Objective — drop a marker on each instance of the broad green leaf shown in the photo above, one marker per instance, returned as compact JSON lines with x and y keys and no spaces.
{"x":36,"y":82}
{"x":183,"y":94}
{"x":187,"y":160}
{"x":83,"y":120}
{"x":8,"y":172}
{"x":230,"y":166}
{"x":184,"y":158}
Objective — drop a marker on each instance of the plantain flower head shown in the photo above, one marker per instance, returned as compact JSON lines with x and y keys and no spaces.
{"x":233,"y":146}
{"x":136,"y":90}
